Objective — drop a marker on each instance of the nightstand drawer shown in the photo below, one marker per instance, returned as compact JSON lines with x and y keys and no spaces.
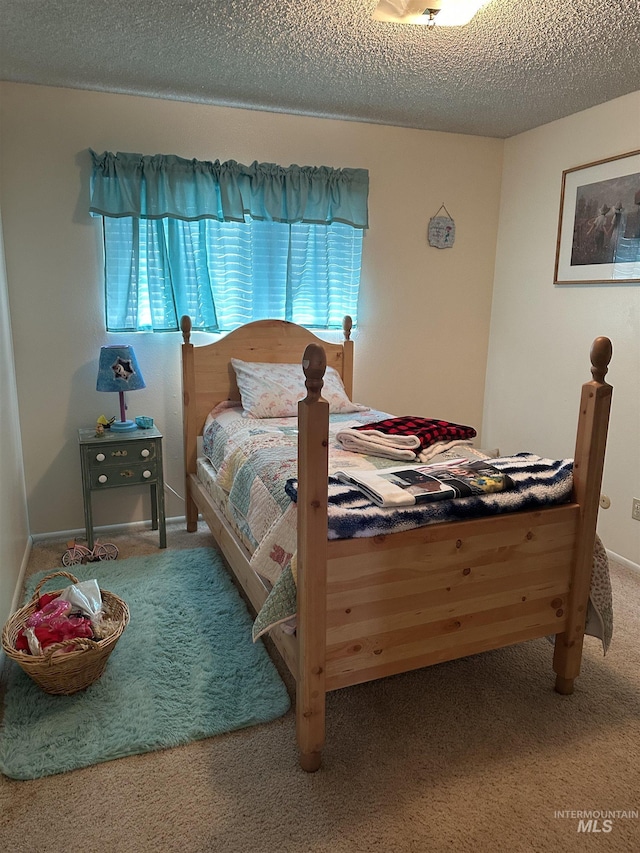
{"x":123,"y":474}
{"x":127,"y":454}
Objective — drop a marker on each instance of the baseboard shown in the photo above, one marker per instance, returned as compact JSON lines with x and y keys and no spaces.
{"x":80,"y":532}
{"x":17,"y":593}
{"x":16,"y":601}
{"x":625,"y":562}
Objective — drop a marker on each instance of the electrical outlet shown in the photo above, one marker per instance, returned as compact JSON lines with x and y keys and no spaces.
{"x":635,"y":509}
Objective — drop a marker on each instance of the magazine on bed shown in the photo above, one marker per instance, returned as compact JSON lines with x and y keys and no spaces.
{"x":406,"y":485}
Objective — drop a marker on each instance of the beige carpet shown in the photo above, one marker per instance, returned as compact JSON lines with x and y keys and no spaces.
{"x":474,"y":755}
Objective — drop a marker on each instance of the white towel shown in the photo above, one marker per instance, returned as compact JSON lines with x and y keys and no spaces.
{"x":441,"y":446}
{"x":372,"y":442}
{"x":375,"y":443}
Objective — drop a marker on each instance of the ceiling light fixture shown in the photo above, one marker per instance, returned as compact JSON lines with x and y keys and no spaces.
{"x":430,"y":15}
{"x":441,"y":13}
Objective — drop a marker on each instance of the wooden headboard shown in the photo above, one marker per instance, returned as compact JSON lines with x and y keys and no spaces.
{"x":208,"y":378}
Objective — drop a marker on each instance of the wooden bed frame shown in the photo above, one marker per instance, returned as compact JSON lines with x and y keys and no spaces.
{"x":373,"y":607}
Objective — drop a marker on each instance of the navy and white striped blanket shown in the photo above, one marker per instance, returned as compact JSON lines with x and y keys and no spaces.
{"x":538,"y":483}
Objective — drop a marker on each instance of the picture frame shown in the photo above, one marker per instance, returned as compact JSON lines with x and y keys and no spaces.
{"x":599,"y":223}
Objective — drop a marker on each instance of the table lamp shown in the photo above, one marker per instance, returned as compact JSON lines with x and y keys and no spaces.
{"x":118,"y":371}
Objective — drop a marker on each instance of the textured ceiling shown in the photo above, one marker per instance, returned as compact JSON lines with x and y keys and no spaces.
{"x":517,"y":65}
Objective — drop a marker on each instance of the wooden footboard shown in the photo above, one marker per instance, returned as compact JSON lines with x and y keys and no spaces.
{"x":449,"y":591}
{"x":410,"y":599}
{"x":373,"y":607}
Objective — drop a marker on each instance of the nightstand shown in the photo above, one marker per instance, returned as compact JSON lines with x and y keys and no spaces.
{"x":114,"y":460}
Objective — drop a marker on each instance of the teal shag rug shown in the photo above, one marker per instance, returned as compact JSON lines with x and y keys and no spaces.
{"x":184,"y":669}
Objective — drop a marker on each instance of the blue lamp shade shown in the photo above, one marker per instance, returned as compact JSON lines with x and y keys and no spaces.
{"x":118,"y":371}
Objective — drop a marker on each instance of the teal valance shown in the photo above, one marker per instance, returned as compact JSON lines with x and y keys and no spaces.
{"x":166,"y":186}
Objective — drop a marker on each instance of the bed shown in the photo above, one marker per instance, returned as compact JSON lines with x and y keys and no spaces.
{"x":374,"y":606}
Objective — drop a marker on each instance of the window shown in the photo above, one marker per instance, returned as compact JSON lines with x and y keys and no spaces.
{"x":245,"y":243}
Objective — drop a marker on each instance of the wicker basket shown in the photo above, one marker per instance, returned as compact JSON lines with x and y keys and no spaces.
{"x":72,"y":671}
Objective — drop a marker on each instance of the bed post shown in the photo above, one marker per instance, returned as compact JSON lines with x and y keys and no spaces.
{"x":591,"y":439}
{"x":313,"y":444}
{"x":189,"y":422}
{"x":347,"y":357}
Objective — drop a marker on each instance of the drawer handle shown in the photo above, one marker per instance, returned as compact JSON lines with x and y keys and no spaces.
{"x":144,"y":453}
{"x":100,"y":457}
{"x":146,"y":474}
{"x":102,"y":478}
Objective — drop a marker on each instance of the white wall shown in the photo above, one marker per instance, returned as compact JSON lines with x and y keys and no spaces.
{"x":14,"y":530}
{"x":424,"y":316}
{"x":541,"y":333}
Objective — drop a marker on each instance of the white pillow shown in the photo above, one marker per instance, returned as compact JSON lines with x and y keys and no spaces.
{"x":274,"y":390}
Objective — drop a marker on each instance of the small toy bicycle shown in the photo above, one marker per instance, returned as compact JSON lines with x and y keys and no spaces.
{"x":77,"y":554}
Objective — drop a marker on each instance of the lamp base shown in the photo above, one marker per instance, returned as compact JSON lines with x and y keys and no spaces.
{"x":122,"y":426}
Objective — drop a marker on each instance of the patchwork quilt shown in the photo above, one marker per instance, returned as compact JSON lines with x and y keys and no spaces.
{"x":253,"y":463}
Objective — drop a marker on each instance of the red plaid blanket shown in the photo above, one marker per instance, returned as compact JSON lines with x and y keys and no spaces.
{"x":427,"y":430}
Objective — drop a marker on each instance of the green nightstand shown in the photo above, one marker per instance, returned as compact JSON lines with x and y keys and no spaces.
{"x":114,"y":460}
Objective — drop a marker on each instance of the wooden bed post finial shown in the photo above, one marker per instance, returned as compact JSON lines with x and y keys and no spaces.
{"x":601,"y":352}
{"x":185,"y":325}
{"x":347,"y":324}
{"x":314,"y":364}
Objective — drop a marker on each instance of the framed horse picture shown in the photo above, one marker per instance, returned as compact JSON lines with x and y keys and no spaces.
{"x":599,"y":223}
